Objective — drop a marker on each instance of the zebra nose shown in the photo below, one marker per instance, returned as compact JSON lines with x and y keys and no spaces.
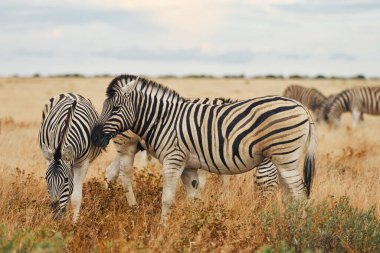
{"x":98,"y":137}
{"x":54,"y":205}
{"x":194,"y":183}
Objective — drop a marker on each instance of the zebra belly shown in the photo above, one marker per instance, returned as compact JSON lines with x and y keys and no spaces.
{"x":195,"y":163}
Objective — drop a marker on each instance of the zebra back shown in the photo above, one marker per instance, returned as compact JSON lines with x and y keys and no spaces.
{"x":367,"y":99}
{"x":310,"y":97}
{"x":67,"y":119}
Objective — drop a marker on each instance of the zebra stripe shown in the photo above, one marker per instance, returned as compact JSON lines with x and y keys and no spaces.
{"x":225,"y":139}
{"x":64,"y":139}
{"x":357,"y":100}
{"x":266,"y":177}
{"x":311,"y":97}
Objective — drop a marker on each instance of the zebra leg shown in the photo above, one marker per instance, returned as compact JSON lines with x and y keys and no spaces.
{"x":172,"y":171}
{"x":112,"y":171}
{"x":266,"y":178}
{"x":291,"y":178}
{"x":127,"y":157}
{"x":148,"y":163}
{"x":356,"y":117}
{"x":76,"y":197}
{"x":202,"y":178}
{"x":191,"y":181}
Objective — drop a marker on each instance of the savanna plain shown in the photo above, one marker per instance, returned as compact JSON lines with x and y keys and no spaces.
{"x":342,"y":214}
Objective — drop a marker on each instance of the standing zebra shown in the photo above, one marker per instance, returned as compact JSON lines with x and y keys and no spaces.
{"x":310,"y":97}
{"x":224,"y":139}
{"x":127,"y":144}
{"x":357,"y":100}
{"x":64,"y":139}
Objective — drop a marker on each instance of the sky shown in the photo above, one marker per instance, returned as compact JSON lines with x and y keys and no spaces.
{"x":213,"y":37}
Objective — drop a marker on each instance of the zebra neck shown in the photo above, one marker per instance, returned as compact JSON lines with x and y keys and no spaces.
{"x":346,"y":101}
{"x":153,"y":116}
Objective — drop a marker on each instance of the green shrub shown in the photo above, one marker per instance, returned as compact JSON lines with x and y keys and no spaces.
{"x":24,"y":240}
{"x":330,"y":226}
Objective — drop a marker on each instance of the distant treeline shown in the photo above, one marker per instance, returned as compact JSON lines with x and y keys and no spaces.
{"x":238,"y":76}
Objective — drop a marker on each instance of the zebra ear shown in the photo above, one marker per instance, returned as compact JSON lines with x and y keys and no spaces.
{"x":46,"y":152}
{"x":130,"y":86}
{"x":68,"y":154}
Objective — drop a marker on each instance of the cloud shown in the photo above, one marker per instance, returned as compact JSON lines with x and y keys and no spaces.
{"x":342,"y":57}
{"x":196,"y":55}
{"x":248,"y":36}
{"x":330,"y":7}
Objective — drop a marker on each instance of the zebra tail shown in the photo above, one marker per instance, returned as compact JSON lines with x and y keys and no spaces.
{"x":309,"y":163}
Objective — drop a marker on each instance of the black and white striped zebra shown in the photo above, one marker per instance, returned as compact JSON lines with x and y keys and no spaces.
{"x":128,"y":144}
{"x":65,"y":142}
{"x":357,"y":100}
{"x":224,"y":139}
{"x":311,"y":97}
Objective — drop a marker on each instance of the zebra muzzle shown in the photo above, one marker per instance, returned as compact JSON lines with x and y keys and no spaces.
{"x":57,"y":211}
{"x":54,"y":205}
{"x":99,"y":138}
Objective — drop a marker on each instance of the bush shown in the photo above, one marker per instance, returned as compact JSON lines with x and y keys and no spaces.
{"x":320,"y":77}
{"x":297,"y":77}
{"x":359,"y":77}
{"x":333,"y":226}
{"x":239,"y":76}
{"x":24,"y":240}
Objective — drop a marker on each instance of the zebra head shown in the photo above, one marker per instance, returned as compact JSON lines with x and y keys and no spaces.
{"x":59,"y":178}
{"x":336,"y":106}
{"x":118,"y":114}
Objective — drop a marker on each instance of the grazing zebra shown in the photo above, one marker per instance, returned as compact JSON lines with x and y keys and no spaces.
{"x":225,"y":139}
{"x":357,"y":100}
{"x":310,"y":97}
{"x":64,"y":139}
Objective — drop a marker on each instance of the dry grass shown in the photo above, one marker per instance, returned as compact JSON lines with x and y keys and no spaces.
{"x":232,"y":220}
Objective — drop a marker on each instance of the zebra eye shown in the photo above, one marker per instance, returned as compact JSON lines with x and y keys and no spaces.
{"x":116,"y":107}
{"x":66,"y":179}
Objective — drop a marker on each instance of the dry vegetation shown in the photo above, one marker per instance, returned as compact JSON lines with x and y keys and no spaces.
{"x":226,"y":220}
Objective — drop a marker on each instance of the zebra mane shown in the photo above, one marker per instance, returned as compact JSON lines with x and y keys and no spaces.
{"x":341,"y":94}
{"x":58,"y":151}
{"x":143,"y":84}
{"x":228,"y":100}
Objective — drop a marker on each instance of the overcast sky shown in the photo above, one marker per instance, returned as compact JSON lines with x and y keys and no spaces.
{"x":154,"y":37}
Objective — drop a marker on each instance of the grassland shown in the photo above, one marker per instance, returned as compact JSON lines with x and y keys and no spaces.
{"x":342,"y":214}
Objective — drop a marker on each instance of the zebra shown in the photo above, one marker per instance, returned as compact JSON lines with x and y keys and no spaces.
{"x":225,"y":139}
{"x":357,"y":100}
{"x":64,"y":139}
{"x":311,"y":97}
{"x":127,"y":144}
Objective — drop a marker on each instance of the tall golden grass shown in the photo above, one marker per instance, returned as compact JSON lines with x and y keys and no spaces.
{"x":225,"y":220}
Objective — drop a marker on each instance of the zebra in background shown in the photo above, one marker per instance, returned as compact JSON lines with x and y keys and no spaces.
{"x":225,"y":139}
{"x":65,"y":142}
{"x":127,"y":144}
{"x":311,"y":97}
{"x":357,"y":100}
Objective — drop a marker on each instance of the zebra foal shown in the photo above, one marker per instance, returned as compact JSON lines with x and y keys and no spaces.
{"x":311,"y":97}
{"x":357,"y":100}
{"x":224,"y":139}
{"x":64,"y":139}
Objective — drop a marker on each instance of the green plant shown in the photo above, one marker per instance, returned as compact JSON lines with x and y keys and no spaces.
{"x":331,"y":226}
{"x":24,"y":240}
